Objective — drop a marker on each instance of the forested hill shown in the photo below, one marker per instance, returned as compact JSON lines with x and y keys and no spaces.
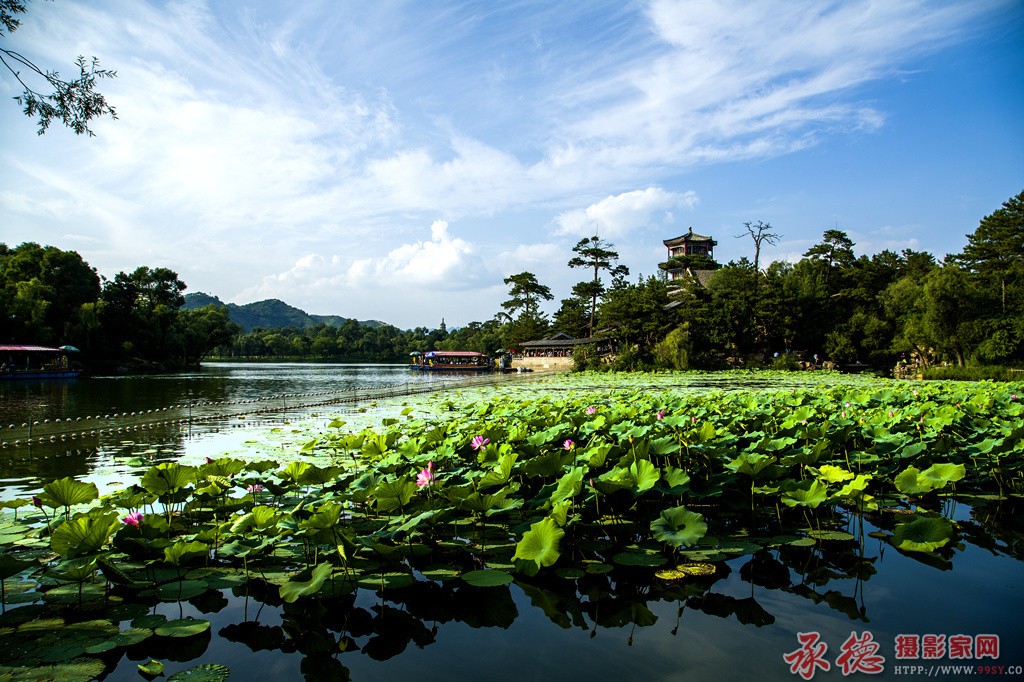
{"x":269,"y":314}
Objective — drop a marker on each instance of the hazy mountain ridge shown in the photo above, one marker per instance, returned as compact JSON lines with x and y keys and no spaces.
{"x":269,"y":314}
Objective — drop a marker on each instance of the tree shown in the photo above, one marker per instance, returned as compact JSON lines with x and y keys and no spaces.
{"x":202,"y":330}
{"x":42,"y":289}
{"x":760,"y":233}
{"x":637,"y":315}
{"x":835,"y":251}
{"x":526,"y":294}
{"x":996,"y":248}
{"x":592,"y":252}
{"x":72,"y":102}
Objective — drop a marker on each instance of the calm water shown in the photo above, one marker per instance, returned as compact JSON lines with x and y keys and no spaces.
{"x":737,"y":626}
{"x":238,"y":399}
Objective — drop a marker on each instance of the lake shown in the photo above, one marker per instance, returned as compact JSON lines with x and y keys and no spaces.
{"x":170,"y":416}
{"x":852,"y":601}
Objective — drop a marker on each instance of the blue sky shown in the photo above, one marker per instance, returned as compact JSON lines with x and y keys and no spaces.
{"x":396,"y":160}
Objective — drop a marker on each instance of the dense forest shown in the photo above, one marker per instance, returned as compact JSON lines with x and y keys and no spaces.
{"x":879,"y":310}
{"x":134,"y":321}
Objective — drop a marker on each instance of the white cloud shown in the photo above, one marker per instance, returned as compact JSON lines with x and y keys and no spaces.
{"x":616,"y":216}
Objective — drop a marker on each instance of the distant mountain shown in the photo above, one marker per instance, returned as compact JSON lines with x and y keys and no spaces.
{"x":269,"y":314}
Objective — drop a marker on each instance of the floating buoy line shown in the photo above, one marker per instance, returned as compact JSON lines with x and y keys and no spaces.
{"x":74,"y":428}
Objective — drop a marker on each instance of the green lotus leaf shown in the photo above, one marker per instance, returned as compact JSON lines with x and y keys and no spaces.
{"x":501,"y":472}
{"x":910,"y":482}
{"x":223,"y":466}
{"x":315,"y":475}
{"x":84,"y":535}
{"x":750,"y":463}
{"x":186,"y":589}
{"x":645,"y":475}
{"x":10,"y":566}
{"x":181,"y":553}
{"x":387,"y":581}
{"x":834,"y":474}
{"x":325,"y":517}
{"x":153,"y":667}
{"x":261,"y":467}
{"x":540,"y":543}
{"x":294,"y":471}
{"x":809,"y":493}
{"x":168,"y":478}
{"x":675,"y":479}
{"x":66,"y":492}
{"x":568,"y":486}
{"x":855,"y":487}
{"x":830,"y":535}
{"x":941,"y":474}
{"x":647,"y":559}
{"x":261,"y":519}
{"x":183,"y":627}
{"x":205,"y":672}
{"x":395,"y":494}
{"x":81,"y":669}
{"x":679,"y":526}
{"x":487,"y":578}
{"x":923,"y":534}
{"x":293,"y":589}
{"x":78,"y":570}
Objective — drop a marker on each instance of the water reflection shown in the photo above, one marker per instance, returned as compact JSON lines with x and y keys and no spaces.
{"x":623,"y":624}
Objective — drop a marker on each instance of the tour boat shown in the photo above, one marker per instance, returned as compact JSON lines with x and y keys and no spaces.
{"x":452,"y":361}
{"x":36,"y":362}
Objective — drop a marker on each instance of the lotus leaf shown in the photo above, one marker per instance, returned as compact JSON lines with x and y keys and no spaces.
{"x":10,"y":566}
{"x":181,"y":553}
{"x":540,"y":544}
{"x":206,"y":672}
{"x":648,"y":559}
{"x":501,"y":472}
{"x":568,"y":486}
{"x":941,"y":474}
{"x":805,"y":494}
{"x":84,"y":534}
{"x":293,"y":589}
{"x":183,"y":627}
{"x":750,"y":463}
{"x":834,"y":474}
{"x":153,"y":668}
{"x":487,"y":578}
{"x":923,"y":534}
{"x":67,"y":492}
{"x":168,"y":478}
{"x":679,"y":526}
{"x":394,"y":494}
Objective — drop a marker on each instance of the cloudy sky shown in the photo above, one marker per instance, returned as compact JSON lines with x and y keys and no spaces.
{"x":396,"y":160}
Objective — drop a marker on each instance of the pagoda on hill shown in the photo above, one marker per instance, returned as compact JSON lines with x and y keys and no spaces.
{"x":690,"y":256}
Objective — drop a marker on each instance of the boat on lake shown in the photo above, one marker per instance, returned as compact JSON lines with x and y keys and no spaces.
{"x":36,"y":362}
{"x":452,"y":361}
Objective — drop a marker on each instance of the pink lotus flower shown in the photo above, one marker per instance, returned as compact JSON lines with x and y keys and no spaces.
{"x":426,"y":475}
{"x":591,"y":410}
{"x":478,"y":442}
{"x":568,"y":444}
{"x":37,"y":502}
{"x":660,"y":415}
{"x":133,"y":519}
{"x":255,"y":488}
{"x":1013,"y":396}
{"x":890,"y":413}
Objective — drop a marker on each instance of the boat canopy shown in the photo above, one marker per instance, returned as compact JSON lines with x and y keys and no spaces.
{"x":453,"y":354}
{"x":31,"y":349}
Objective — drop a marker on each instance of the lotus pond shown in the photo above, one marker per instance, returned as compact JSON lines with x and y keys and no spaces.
{"x":656,"y":526}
